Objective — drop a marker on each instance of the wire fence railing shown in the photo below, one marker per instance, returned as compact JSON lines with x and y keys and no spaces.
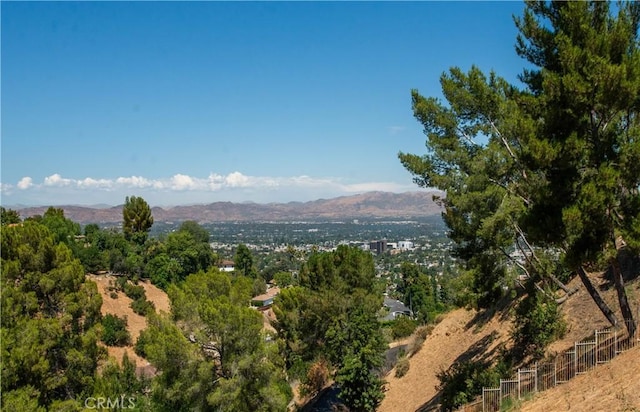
{"x":585,"y":355}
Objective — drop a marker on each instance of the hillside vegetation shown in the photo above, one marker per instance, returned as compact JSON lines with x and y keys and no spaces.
{"x":542,"y":183}
{"x":465,"y":334}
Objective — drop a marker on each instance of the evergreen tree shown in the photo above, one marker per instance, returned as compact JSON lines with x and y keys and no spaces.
{"x":49,"y":321}
{"x":243,"y":261}
{"x":551,"y":169}
{"x":136,"y":219}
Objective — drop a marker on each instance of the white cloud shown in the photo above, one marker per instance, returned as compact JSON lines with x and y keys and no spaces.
{"x":90,"y":183}
{"x":134,"y":182}
{"x":237,"y":179}
{"x":56,"y":180}
{"x":182,"y":188}
{"x":183,"y":182}
{"x":25,"y":183}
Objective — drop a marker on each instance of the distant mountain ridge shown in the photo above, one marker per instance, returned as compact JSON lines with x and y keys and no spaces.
{"x":370,"y":204}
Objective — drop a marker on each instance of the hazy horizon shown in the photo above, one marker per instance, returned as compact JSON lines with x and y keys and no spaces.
{"x":105,"y":205}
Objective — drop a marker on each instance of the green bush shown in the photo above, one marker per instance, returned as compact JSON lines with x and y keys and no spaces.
{"x":138,"y":348}
{"x":538,"y":322}
{"x":135,"y":292}
{"x":402,"y":367}
{"x":462,"y":382}
{"x":403,"y":327}
{"x":142,"y":306}
{"x":115,"y":331}
{"x":121,"y":282}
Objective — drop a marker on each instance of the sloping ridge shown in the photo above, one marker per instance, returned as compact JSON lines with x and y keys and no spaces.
{"x":470,"y":335}
{"x":370,"y":204}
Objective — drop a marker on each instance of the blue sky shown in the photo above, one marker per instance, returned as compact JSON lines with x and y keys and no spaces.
{"x":197,"y":102}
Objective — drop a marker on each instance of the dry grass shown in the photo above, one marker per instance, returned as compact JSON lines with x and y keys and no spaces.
{"x":456,"y":337}
{"x":611,"y":387}
{"x":464,"y":335}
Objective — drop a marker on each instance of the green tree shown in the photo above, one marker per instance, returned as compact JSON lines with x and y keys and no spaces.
{"x":243,"y":261}
{"x":123,"y":381}
{"x":551,"y":169}
{"x":283,"y":279}
{"x":331,"y":316}
{"x":136,"y":219}
{"x":49,"y":320}
{"x":358,"y":341}
{"x":9,"y":216}
{"x":115,"y":331}
{"x":200,"y":234}
{"x":178,"y":256}
{"x":225,"y":364}
{"x":63,"y":229}
{"x":186,"y":377}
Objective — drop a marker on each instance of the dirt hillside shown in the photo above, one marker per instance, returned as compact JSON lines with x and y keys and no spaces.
{"x":465,"y":334}
{"x":462,"y":334}
{"x":120,"y":307}
{"x":611,"y":387}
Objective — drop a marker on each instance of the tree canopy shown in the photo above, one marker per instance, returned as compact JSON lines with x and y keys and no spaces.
{"x":49,"y":320}
{"x":331,"y":316}
{"x":552,"y":168}
{"x":136,"y":219}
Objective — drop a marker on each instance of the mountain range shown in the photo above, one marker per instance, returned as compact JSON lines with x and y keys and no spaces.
{"x":366,"y":205}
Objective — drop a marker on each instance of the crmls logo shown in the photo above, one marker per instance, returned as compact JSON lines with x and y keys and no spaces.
{"x":100,"y":402}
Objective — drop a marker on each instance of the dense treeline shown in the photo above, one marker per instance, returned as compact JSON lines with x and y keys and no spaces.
{"x":50,"y":322}
{"x":211,"y":352}
{"x":330,"y":328}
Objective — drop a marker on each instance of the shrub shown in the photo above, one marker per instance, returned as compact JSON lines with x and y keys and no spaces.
{"x":402,"y":367}
{"x":115,"y":331}
{"x":135,"y":292}
{"x":462,"y":382}
{"x":140,"y":344}
{"x":537,"y":323}
{"x":317,"y":377}
{"x":121,"y":282}
{"x":142,"y":306}
{"x":403,"y":327}
{"x":113,"y":295}
{"x":420,"y":335}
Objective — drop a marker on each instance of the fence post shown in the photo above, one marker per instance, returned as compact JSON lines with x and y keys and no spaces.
{"x":575,"y":360}
{"x":596,"y":339}
{"x":483,"y":400}
{"x":518,"y":383}
{"x":535,"y":377}
{"x":555,"y":372}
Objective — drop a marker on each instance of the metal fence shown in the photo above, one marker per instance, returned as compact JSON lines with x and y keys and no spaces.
{"x":600,"y":348}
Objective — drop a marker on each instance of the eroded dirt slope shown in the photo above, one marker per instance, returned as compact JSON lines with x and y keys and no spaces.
{"x":462,"y":334}
{"x":120,"y":307}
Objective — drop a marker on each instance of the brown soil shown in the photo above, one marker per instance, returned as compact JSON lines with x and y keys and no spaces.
{"x":461,"y":335}
{"x":120,"y":307}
